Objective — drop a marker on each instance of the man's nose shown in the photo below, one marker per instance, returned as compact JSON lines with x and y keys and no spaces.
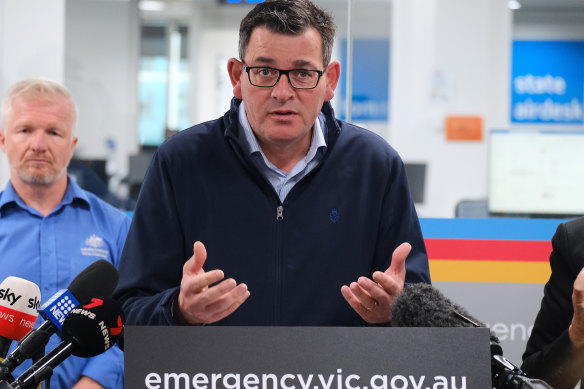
{"x":39,"y":141}
{"x":283,"y":88}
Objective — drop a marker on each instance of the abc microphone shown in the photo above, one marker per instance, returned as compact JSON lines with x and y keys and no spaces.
{"x":19,"y":301}
{"x":88,"y":330}
{"x":422,"y":305}
{"x":97,"y":280}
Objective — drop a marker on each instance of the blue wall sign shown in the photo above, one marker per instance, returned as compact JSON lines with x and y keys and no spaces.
{"x":370,"y":80}
{"x":547,"y":82}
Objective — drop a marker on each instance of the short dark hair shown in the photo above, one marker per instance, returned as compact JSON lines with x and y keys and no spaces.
{"x":291,"y":17}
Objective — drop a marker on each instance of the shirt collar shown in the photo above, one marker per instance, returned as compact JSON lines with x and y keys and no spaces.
{"x":72,"y":193}
{"x":317,"y":142}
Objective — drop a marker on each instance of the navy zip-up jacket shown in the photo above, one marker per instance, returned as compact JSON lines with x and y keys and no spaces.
{"x":341,"y":221}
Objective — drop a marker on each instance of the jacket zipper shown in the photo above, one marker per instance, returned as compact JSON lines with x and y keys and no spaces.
{"x":279,"y":264}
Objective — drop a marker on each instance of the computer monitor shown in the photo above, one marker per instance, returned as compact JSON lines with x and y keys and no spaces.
{"x":416,"y":173}
{"x":536,"y":173}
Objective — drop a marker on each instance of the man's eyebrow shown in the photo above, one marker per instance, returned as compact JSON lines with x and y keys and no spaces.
{"x":304,"y":64}
{"x":264,"y":60}
{"x":297,"y":64}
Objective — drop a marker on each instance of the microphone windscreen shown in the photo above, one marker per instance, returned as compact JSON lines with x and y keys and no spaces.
{"x":422,"y":305}
{"x":94,"y":326}
{"x":19,"y":300}
{"x":97,"y":280}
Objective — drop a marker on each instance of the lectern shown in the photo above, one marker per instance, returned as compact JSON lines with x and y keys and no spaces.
{"x":211,"y":357}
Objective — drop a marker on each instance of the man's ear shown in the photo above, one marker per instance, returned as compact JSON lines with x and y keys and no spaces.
{"x":73,"y":144}
{"x":333,"y":72}
{"x":234,"y":70}
{"x":2,"y":140}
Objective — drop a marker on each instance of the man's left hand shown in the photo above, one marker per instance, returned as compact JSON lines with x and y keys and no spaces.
{"x":372,"y":299}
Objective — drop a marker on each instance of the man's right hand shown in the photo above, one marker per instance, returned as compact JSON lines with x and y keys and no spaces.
{"x":576,"y":330}
{"x":201,"y":302}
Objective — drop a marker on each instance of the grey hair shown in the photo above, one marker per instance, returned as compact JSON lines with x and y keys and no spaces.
{"x":37,"y":88}
{"x":290,"y":17}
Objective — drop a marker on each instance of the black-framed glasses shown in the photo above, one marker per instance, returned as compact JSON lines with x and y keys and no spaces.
{"x":266,"y":77}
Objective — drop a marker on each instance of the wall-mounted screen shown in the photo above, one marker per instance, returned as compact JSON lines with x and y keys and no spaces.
{"x":536,"y":172}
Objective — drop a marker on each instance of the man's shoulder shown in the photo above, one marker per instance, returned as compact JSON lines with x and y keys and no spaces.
{"x":200,"y":131}
{"x":104,"y":209}
{"x":569,"y":238}
{"x":200,"y":144}
{"x":575,"y":228}
{"x":354,"y":137}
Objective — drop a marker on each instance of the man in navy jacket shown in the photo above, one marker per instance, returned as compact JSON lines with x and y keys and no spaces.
{"x":309,"y":217}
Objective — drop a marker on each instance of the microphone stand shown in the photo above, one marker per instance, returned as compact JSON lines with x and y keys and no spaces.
{"x":35,"y":359}
{"x":26,"y":349}
{"x":508,"y":376}
{"x":505,"y":375}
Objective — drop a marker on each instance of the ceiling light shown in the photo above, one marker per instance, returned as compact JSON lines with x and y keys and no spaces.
{"x":152,"y":5}
{"x":514,"y":4}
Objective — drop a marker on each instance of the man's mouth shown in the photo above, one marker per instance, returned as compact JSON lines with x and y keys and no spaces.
{"x":37,"y":160}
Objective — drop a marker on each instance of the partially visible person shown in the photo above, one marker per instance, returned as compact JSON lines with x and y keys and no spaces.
{"x":277,"y":213}
{"x":50,"y":229}
{"x":555,"y":349}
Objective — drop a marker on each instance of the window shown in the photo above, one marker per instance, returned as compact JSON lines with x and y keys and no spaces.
{"x":163,"y":83}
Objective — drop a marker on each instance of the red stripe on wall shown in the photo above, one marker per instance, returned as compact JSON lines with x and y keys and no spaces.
{"x":488,"y":250}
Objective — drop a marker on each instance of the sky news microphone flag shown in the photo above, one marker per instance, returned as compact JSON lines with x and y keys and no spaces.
{"x":19,"y":301}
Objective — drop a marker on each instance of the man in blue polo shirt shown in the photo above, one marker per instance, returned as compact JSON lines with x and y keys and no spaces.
{"x":51,"y":229}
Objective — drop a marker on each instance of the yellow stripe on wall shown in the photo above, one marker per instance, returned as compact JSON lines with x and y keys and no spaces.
{"x":490,"y":271}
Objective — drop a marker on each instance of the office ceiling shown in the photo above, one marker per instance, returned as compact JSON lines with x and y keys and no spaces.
{"x":180,"y":9}
{"x":528,"y":4}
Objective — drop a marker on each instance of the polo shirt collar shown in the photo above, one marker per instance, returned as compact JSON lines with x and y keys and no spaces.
{"x":72,"y":193}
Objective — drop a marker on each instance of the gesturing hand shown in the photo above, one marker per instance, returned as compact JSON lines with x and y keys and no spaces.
{"x":372,"y":299}
{"x":199,"y":301}
{"x":576,"y":330}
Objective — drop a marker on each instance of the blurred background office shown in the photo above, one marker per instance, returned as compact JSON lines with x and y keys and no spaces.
{"x":483,"y":99}
{"x":447,"y":82}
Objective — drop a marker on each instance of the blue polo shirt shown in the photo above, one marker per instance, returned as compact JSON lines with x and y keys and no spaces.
{"x":51,"y":251}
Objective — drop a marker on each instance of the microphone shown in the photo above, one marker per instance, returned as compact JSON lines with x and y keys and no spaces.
{"x":88,"y":330}
{"x":422,"y":305}
{"x":19,"y":301}
{"x":97,"y":280}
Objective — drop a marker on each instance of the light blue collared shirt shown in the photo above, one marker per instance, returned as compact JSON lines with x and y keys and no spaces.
{"x":281,"y":181}
{"x":51,"y":251}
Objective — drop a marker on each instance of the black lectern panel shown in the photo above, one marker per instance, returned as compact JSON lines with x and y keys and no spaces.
{"x":306,"y":358}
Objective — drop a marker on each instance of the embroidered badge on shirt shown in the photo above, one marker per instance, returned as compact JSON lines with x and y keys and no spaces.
{"x":334,"y":215}
{"x":95,"y":243}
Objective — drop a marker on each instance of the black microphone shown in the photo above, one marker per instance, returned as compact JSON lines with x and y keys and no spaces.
{"x":422,"y":305}
{"x":97,"y":280}
{"x":89,"y":330}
